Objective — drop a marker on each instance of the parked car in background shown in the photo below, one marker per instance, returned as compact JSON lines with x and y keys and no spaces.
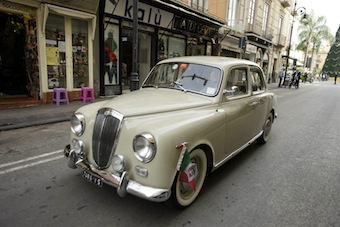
{"x":189,"y":117}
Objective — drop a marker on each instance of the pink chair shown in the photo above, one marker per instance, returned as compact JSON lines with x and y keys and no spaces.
{"x":87,"y":93}
{"x":60,"y":95}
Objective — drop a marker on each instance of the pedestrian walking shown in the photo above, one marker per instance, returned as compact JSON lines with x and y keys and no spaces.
{"x":295,"y":78}
{"x":281,"y":75}
{"x":335,"y":76}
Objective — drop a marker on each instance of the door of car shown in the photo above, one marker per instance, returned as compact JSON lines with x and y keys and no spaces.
{"x":237,"y":105}
{"x":259,"y":99}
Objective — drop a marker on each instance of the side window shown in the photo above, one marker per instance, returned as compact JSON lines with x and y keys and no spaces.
{"x":237,"y":82}
{"x":257,"y":80}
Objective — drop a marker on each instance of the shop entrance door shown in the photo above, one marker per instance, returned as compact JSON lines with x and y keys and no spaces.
{"x":144,"y":55}
{"x":67,"y":51}
{"x":13,"y":76}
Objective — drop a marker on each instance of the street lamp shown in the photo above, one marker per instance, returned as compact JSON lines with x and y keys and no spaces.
{"x":302,"y":11}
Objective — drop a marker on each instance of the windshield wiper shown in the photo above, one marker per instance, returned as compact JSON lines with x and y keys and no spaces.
{"x":179,"y":85}
{"x":199,"y":77}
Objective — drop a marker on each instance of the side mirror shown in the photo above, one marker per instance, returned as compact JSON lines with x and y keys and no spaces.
{"x":234,"y":90}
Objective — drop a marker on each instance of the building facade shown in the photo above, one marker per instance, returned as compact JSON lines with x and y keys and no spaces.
{"x":90,"y":43}
{"x":165,"y":30}
{"x":251,"y":29}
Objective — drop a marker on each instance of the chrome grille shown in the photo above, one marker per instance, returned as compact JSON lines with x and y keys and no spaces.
{"x":105,"y":136}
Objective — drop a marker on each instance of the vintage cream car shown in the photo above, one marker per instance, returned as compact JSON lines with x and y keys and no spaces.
{"x":190,"y":116}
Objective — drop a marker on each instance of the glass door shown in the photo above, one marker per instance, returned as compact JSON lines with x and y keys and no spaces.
{"x":67,"y":52}
{"x":56,"y":51}
{"x":80,"y":53}
{"x":144,"y":58}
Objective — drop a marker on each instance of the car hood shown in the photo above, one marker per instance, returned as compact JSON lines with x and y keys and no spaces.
{"x":151,"y":100}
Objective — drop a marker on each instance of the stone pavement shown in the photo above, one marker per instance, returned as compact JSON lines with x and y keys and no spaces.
{"x":27,"y":116}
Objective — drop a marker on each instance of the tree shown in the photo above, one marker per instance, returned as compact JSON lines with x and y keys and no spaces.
{"x":332,"y":63}
{"x":312,"y":33}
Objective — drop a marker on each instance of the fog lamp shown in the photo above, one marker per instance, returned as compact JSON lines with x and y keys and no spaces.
{"x":78,"y":146}
{"x":118,"y":163}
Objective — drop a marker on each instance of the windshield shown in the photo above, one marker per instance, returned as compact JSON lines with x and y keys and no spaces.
{"x":185,"y":76}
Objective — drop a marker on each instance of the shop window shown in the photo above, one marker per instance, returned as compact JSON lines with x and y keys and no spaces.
{"x":111,"y":42}
{"x":144,"y":53}
{"x":170,"y":47}
{"x":194,"y":47}
{"x":176,"y":47}
{"x":80,"y":53}
{"x":56,"y":51}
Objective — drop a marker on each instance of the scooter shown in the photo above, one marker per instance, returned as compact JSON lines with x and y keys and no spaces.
{"x":294,"y":83}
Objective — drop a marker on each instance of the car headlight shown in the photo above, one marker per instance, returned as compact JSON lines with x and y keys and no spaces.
{"x":78,"y":146}
{"x":144,"y":146}
{"x":78,"y":124}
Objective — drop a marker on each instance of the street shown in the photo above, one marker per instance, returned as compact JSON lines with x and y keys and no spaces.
{"x":293,"y":180}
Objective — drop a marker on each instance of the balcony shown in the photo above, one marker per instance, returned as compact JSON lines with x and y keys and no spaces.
{"x":255,"y":28}
{"x":285,"y":3}
{"x":236,"y":26}
{"x":282,"y":40}
{"x":255,"y":33}
{"x":268,"y":34}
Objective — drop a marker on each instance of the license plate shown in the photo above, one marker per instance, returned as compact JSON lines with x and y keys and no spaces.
{"x":93,"y":179}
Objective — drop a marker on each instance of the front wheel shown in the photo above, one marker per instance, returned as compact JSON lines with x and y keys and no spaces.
{"x":182,"y":194}
{"x":266,"y":131}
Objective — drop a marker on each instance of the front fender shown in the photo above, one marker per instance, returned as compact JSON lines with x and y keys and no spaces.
{"x":197,"y":126}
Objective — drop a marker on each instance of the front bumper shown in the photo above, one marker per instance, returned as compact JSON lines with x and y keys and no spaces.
{"x":121,"y":182}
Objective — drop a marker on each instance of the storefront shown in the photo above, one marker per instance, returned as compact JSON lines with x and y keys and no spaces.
{"x":46,"y":45}
{"x":67,"y":56}
{"x":164,"y":31}
{"x":259,"y":50}
{"x":19,"y":71}
{"x":231,"y":46}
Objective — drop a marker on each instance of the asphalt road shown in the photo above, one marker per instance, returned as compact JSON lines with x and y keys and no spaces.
{"x":293,"y":180}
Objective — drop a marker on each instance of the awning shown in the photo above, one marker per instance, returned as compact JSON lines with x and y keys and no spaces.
{"x":89,"y":6}
{"x":231,"y":44}
{"x":70,"y":13}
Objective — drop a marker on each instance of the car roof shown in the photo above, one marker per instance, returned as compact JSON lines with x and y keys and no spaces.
{"x":216,"y":61}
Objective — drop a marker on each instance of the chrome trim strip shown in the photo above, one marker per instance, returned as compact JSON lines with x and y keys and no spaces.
{"x":122,"y":183}
{"x":97,"y":135}
{"x":124,"y":186}
{"x":236,"y":151}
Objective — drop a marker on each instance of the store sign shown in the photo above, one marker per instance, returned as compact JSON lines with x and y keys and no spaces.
{"x":193,"y":27}
{"x":16,"y":9}
{"x":146,"y":13}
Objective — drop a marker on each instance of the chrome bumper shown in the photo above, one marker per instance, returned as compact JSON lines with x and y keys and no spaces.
{"x":122,"y":183}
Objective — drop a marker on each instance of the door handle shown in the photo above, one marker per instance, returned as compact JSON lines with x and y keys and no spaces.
{"x":253,"y":104}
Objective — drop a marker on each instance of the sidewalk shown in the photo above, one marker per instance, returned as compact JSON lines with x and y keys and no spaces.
{"x":20,"y":117}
